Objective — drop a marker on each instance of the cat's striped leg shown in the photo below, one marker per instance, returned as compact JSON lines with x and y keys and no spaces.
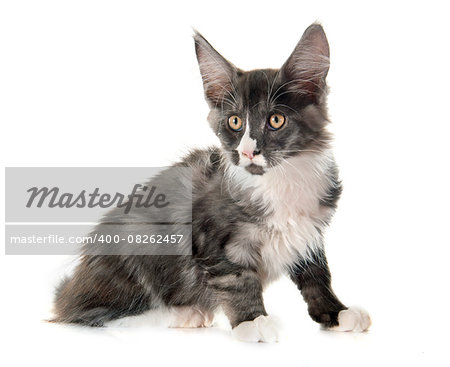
{"x":312,"y":277}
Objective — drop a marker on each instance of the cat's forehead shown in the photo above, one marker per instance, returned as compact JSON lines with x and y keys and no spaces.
{"x":254,"y":87}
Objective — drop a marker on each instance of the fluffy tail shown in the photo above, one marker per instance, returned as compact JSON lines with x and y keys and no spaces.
{"x":92,"y":298}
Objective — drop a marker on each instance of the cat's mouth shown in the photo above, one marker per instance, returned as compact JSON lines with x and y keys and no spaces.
{"x":254,"y":169}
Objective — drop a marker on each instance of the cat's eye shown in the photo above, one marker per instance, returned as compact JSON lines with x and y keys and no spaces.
{"x":276,"y":121}
{"x":235,"y":123}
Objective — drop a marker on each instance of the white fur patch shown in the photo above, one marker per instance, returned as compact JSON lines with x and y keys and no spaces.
{"x":259,"y":160}
{"x":241,"y":177}
{"x":246,"y":144}
{"x":353,"y":319}
{"x":292,"y":193}
{"x":249,"y":145}
{"x":189,"y":317}
{"x":261,"y":329}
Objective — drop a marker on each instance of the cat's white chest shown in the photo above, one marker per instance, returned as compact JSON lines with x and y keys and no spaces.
{"x":292,"y":195}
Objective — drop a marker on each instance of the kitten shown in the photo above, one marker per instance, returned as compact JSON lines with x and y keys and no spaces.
{"x":260,"y":205}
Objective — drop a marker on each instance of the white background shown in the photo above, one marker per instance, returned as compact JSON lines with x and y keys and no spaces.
{"x":115,"y":83}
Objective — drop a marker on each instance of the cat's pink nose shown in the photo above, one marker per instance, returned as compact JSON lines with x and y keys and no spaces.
{"x":250,"y":154}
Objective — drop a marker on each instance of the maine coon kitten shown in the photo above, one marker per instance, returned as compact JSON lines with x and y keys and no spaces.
{"x":260,"y":205}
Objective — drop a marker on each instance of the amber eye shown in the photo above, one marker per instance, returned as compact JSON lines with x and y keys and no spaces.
{"x":276,"y":121}
{"x":235,"y":123}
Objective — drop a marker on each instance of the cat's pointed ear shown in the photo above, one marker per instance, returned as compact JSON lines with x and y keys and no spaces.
{"x":218,"y":74}
{"x":306,"y":69}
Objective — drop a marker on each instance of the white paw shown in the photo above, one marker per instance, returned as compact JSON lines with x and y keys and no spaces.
{"x":261,"y":329}
{"x":353,"y":319}
{"x":190,"y":317}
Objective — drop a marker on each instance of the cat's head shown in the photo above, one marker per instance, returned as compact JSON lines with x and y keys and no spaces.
{"x":265,"y":116}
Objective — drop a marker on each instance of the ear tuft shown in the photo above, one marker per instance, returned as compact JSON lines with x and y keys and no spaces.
{"x":306,"y":69}
{"x":217,"y":73}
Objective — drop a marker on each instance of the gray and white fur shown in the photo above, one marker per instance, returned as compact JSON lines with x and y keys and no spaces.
{"x":261,"y":203}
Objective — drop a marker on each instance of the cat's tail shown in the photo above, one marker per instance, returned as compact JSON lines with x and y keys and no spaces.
{"x":87,"y":302}
{"x":67,"y":311}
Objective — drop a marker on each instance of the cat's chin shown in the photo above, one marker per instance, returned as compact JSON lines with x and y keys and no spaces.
{"x":255,"y":169}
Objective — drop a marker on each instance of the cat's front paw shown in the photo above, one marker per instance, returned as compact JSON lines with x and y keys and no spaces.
{"x":353,"y":319}
{"x":261,"y":329}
